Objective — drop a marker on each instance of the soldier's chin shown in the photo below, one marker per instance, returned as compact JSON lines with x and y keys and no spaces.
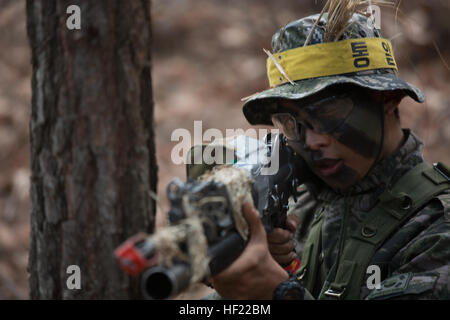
{"x":342,"y":180}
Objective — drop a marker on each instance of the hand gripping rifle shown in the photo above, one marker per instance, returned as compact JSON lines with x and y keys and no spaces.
{"x":208,"y":231}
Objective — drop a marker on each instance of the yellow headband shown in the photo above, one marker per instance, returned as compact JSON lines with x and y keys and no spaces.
{"x":331,"y":58}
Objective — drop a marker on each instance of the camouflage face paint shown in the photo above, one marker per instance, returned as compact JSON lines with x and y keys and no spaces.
{"x":326,"y":115}
{"x":362,"y":129}
{"x":343,"y":178}
{"x":356,"y":125}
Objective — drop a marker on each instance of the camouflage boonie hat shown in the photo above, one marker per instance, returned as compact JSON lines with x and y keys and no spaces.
{"x":258,"y":108}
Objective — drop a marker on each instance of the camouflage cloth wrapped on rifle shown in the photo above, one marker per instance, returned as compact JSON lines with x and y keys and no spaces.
{"x":208,"y":231}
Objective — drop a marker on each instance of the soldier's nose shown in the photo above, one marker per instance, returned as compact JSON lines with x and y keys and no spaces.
{"x":315,"y":141}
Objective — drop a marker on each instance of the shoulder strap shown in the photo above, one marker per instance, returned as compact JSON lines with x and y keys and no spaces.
{"x":307,"y":273}
{"x":409,"y":194}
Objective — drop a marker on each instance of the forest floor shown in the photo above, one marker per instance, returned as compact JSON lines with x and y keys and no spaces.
{"x":207,"y":55}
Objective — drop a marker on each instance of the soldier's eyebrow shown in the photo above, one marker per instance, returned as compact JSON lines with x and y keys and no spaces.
{"x":290,"y":105}
{"x":295,"y":108}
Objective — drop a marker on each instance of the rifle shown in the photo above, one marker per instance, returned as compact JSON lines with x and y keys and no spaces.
{"x":208,"y":231}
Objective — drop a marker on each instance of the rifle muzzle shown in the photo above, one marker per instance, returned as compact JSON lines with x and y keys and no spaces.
{"x":163,"y":283}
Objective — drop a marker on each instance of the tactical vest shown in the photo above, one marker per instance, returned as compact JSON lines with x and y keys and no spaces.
{"x":395,"y":205}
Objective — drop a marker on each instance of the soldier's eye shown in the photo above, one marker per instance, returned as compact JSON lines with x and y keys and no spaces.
{"x":309,"y":125}
{"x":303,"y":125}
{"x":299,"y":129}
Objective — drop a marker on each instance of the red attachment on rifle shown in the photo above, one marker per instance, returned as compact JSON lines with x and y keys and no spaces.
{"x":293,"y":266}
{"x":130,"y":258}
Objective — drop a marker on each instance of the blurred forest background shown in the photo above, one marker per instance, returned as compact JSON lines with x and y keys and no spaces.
{"x":207,"y":55}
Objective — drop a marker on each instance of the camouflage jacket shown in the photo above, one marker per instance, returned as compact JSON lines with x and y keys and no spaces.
{"x":418,"y":251}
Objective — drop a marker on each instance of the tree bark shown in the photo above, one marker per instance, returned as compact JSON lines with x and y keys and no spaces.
{"x":92,"y":144}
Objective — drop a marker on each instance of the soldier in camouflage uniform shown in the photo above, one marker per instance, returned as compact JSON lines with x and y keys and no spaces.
{"x":413,"y":255}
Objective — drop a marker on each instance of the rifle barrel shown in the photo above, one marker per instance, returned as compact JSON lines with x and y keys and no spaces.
{"x":163,"y":283}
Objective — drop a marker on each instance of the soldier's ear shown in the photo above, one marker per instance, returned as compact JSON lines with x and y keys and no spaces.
{"x":390,"y":107}
{"x":391,"y":100}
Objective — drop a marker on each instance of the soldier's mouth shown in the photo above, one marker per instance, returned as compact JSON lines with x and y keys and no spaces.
{"x":328,"y":167}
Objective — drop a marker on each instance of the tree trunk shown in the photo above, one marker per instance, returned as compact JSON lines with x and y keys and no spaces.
{"x":92,"y":149}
